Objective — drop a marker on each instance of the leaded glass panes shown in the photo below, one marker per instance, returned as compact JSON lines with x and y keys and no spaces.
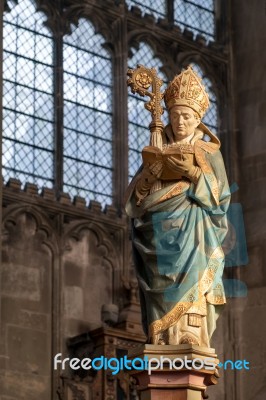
{"x":138,"y":117}
{"x":210,"y":119}
{"x":197,"y":16}
{"x":87,"y":115}
{"x":27,"y":96}
{"x":154,"y":7}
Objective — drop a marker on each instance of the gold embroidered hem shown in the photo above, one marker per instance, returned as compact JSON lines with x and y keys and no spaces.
{"x":173,"y":190}
{"x":200,"y":288}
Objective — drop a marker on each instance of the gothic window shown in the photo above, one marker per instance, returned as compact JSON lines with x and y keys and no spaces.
{"x":210,"y":119}
{"x":81,"y":162}
{"x":87,"y":115}
{"x":138,"y":117}
{"x":196,"y":15}
{"x":27,"y":97}
{"x":154,"y":7}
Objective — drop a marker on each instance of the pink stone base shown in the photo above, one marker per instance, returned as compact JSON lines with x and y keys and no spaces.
{"x":171,"y":385}
{"x":171,"y":378}
{"x":167,"y":384}
{"x":170,"y":394}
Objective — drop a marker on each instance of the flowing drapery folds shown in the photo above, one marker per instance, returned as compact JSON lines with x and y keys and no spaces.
{"x":177,"y":240}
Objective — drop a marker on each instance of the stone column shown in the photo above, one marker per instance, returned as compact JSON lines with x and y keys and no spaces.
{"x":194,"y":368}
{"x":1,"y":118}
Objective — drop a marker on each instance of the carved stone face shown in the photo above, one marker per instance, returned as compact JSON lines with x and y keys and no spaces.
{"x":184,"y":121}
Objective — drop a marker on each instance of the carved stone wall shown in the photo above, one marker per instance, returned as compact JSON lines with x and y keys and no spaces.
{"x":90,"y":266}
{"x":28,"y":263}
{"x":61,"y":262}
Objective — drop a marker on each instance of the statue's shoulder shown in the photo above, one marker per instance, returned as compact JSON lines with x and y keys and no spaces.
{"x":209,"y":147}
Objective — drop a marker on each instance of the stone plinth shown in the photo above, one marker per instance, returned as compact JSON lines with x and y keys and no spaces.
{"x":184,"y":373}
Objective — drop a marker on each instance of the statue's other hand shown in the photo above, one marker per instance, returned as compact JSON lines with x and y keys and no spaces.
{"x":156,"y":169}
{"x":148,"y":177}
{"x":151,"y":173}
{"x":184,"y":167}
{"x":179,"y":166}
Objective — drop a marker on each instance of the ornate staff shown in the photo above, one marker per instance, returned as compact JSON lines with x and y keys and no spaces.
{"x":140,"y":79}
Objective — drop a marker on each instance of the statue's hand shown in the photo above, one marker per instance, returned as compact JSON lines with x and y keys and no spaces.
{"x":149,"y":175}
{"x":156,"y":169}
{"x":179,"y":166}
{"x":184,"y":168}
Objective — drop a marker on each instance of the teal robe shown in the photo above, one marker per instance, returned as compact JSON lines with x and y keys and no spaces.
{"x":177,"y":244}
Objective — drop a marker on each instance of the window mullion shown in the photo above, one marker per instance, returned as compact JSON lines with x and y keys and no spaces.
{"x":170,"y":11}
{"x":120,"y":119}
{"x":58,"y":113}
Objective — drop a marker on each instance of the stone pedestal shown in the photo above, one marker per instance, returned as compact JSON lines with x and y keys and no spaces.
{"x":184,"y":373}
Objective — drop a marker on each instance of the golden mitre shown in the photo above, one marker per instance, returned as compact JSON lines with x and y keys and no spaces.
{"x":186,"y":89}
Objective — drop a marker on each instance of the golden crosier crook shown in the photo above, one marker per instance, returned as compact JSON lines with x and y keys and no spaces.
{"x":140,"y":79}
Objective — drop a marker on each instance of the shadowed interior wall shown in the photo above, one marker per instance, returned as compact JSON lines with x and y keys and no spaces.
{"x":249,"y":58}
{"x":27,"y":264}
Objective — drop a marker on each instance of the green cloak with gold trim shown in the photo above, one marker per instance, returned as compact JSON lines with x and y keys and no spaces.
{"x":177,"y":238}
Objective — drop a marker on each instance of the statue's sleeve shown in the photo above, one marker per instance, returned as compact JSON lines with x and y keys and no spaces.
{"x":212,"y":191}
{"x":130,"y":201}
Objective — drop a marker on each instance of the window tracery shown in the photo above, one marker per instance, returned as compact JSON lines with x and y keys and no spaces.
{"x":87,"y":115}
{"x":28,"y":113}
{"x":155,"y":7}
{"x":197,"y":16}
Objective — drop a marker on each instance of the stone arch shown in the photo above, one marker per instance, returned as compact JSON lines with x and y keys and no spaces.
{"x":43,"y":223}
{"x":90,"y":261}
{"x":52,"y":13}
{"x":135,"y":37}
{"x":75,"y":12}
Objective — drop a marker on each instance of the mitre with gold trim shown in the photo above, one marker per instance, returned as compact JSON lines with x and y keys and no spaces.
{"x":186,"y":89}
